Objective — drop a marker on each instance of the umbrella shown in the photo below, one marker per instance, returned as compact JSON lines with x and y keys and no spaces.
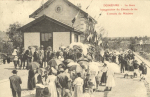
{"x":83,"y":59}
{"x":97,"y":63}
{"x":54,"y":70}
{"x":84,"y":64}
{"x":67,"y":61}
{"x":72,"y":63}
{"x":89,"y":57}
{"x":73,"y":67}
{"x":54,"y":62}
{"x":79,"y":44}
{"x":33,"y":65}
{"x":113,"y":67}
{"x":77,"y":68}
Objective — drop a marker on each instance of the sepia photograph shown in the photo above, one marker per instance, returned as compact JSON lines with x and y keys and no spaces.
{"x":74,"y":48}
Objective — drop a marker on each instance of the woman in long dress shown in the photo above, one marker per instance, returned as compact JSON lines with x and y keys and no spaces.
{"x":78,"y":86}
{"x":104,"y":77}
{"x":51,"y":81}
{"x":110,"y":80}
{"x":31,"y":80}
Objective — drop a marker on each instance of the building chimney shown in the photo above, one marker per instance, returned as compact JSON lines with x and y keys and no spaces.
{"x":79,"y":5}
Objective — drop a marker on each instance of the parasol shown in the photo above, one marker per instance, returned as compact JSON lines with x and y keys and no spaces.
{"x":77,"y":68}
{"x":83,"y":59}
{"x":97,"y":63}
{"x":84,"y":64}
{"x":80,"y":47}
{"x":67,"y":61}
{"x":113,"y":67}
{"x":72,"y":63}
{"x":54,"y":62}
{"x":34,"y":65}
{"x":79,"y":44}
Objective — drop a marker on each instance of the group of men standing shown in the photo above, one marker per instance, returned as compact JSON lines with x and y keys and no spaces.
{"x":39,"y":55}
{"x":129,"y":64}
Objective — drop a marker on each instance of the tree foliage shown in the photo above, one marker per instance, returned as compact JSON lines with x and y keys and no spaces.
{"x":15,"y":36}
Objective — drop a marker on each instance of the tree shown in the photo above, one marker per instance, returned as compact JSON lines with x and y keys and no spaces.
{"x":15,"y":36}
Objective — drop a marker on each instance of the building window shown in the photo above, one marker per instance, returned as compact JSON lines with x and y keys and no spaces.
{"x":75,"y":38}
{"x":58,"y":9}
{"x":46,"y":36}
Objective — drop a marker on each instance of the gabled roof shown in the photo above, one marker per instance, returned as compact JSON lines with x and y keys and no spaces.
{"x":50,"y":1}
{"x":49,"y":19}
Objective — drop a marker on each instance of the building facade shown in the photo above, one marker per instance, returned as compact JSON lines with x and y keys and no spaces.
{"x":53,"y":25}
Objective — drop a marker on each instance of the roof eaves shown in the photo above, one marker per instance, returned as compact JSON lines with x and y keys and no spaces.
{"x":48,"y":18}
{"x":31,"y":23}
{"x":46,"y":4}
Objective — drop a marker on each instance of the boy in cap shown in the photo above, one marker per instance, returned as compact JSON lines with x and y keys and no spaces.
{"x":15,"y":82}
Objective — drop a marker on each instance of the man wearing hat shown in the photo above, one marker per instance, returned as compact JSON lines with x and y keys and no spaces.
{"x":48,"y":54}
{"x":15,"y":82}
{"x":41,"y":53}
{"x":23,"y":58}
{"x":28,"y":53}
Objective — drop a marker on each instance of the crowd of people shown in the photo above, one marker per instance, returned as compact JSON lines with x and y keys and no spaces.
{"x":60,"y":81}
{"x":128,"y":64}
{"x":131,"y":67}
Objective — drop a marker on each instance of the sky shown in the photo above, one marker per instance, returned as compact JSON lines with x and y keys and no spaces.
{"x":136,"y":24}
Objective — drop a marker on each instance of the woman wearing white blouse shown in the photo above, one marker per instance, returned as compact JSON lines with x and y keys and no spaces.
{"x":51,"y":81}
{"x":104,"y":70}
{"x":78,"y":86}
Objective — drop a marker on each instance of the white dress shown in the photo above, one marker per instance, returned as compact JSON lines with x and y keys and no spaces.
{"x":51,"y":85}
{"x":110,"y":79}
{"x":78,"y":89}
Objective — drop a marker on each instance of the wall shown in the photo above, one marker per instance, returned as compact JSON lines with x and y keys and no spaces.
{"x":31,"y":39}
{"x":64,"y":40}
{"x":72,"y":35}
{"x":66,"y":15}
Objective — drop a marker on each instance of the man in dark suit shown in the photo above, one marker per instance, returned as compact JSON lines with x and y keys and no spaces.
{"x":66,"y":53}
{"x":15,"y":82}
{"x":29,"y":55}
{"x":23,"y":58}
{"x":48,"y":54}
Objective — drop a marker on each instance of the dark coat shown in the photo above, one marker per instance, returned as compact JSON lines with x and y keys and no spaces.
{"x":62,"y":80}
{"x":48,"y":56}
{"x":39,"y":79}
{"x":23,"y":56}
{"x":15,"y":82}
{"x":31,"y":80}
{"x":86,"y":84}
{"x":136,"y":65}
{"x":36,"y":57}
{"x":28,"y":54}
{"x":66,"y":55}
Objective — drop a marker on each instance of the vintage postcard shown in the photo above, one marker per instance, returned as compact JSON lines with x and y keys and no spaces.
{"x":74,"y":48}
